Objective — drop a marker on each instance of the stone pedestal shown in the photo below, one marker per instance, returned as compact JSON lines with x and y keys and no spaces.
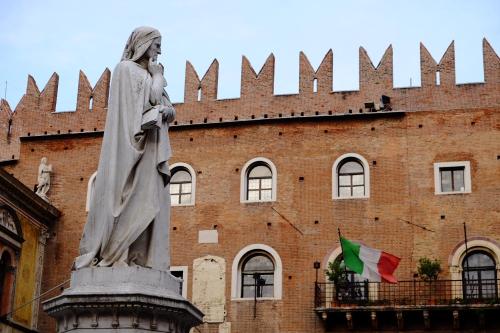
{"x":128,"y":299}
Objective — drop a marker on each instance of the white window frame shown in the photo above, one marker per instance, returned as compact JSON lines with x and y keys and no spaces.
{"x":191,"y":171}
{"x":244,"y":176}
{"x":236,"y":272}
{"x":458,"y":164}
{"x":90,"y":190}
{"x":366,"y":170}
{"x":184,"y":270}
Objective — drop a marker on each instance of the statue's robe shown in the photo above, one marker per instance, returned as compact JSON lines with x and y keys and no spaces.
{"x":130,"y":207}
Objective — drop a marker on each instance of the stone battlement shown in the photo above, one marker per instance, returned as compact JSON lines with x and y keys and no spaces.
{"x":35,"y":113}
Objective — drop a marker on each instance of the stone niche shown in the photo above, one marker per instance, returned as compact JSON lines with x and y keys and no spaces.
{"x":209,"y":285}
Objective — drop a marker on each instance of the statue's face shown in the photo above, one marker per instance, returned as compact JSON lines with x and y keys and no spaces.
{"x":154,"y":49}
{"x":44,"y":160}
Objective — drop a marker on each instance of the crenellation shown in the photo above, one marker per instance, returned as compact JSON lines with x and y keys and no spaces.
{"x":101,"y":91}
{"x":323,"y":75}
{"x":192,"y":84}
{"x":48,"y":96}
{"x":196,"y":90}
{"x":437,"y":74}
{"x":32,"y":87}
{"x":8,"y":151}
{"x":375,"y":79}
{"x":93,"y":99}
{"x":5,"y":109}
{"x":491,"y":63}
{"x":210,"y":82}
{"x":84,"y":93}
{"x":259,"y":85}
{"x":35,"y":113}
{"x":447,"y":67}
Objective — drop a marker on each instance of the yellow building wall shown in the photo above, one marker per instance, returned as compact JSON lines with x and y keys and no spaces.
{"x":26,"y":273}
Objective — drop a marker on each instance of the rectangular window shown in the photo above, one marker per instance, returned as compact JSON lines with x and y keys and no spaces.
{"x":452,"y":177}
{"x":181,"y":273}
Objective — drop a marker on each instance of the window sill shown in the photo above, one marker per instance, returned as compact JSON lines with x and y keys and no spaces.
{"x":351,"y":198}
{"x":257,"y":202}
{"x":454,"y":192}
{"x":258,"y":299}
{"x":182,"y":205}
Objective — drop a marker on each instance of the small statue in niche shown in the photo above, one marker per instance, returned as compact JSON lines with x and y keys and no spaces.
{"x":44,"y":171}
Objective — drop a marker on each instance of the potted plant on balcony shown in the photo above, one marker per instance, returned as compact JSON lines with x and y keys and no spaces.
{"x":336,"y":273}
{"x":429,"y":270}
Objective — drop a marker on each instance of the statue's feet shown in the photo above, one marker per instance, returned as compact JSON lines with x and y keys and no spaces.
{"x":120,"y":263}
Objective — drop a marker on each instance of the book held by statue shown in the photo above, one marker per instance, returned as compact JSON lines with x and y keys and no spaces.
{"x":151,"y":118}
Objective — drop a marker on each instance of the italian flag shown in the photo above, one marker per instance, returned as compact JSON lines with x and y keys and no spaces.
{"x":372,"y":264}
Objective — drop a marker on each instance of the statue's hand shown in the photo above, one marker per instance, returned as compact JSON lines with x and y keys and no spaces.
{"x":156,"y":69}
{"x":168,"y":112}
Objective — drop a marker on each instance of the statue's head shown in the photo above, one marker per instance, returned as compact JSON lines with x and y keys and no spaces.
{"x":44,"y":160}
{"x":154,"y":49}
{"x":143,"y":41}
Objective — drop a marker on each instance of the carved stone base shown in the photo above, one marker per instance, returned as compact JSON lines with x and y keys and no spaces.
{"x":128,"y":299}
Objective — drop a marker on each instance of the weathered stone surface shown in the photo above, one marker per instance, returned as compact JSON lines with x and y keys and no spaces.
{"x":209,"y":276}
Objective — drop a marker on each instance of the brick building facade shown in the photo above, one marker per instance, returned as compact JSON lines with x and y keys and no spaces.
{"x":262,"y":177}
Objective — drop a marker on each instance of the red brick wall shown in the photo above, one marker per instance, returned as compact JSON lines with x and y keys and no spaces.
{"x":402,"y":188}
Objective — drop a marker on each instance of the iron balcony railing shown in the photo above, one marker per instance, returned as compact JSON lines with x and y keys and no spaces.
{"x":413,"y":292}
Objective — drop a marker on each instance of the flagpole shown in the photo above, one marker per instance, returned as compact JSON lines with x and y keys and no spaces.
{"x":343,"y":257}
{"x":340,"y":240}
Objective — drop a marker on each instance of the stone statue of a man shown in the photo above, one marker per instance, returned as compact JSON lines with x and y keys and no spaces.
{"x":128,"y":220}
{"x":44,"y":171}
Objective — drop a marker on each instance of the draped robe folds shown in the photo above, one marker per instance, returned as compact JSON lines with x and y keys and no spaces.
{"x":130,"y":206}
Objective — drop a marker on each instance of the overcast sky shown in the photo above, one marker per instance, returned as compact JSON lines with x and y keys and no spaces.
{"x":42,"y":37}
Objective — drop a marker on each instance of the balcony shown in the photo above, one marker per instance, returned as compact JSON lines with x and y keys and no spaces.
{"x":414,"y":304}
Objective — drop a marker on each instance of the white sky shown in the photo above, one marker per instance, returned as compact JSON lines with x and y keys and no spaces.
{"x":42,"y":37}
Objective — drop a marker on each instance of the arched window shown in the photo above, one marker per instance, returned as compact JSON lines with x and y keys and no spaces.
{"x":474,"y":266}
{"x":257,"y":276}
{"x":479,"y":276}
{"x":6,"y":281}
{"x":351,"y":177}
{"x":182,"y":185}
{"x":258,"y":181}
{"x":256,"y":272}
